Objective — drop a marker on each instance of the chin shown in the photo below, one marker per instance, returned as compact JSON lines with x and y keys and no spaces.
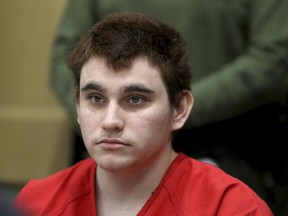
{"x":114,"y":163}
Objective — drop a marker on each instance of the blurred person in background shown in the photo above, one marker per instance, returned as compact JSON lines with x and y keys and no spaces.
{"x":6,"y":207}
{"x":239,"y":51}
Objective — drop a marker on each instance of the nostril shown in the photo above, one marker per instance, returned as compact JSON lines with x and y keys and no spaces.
{"x":112,"y":121}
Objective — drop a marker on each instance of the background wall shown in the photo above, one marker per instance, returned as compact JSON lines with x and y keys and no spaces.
{"x":35,"y":132}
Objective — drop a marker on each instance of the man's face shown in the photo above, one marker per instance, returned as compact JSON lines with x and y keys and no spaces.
{"x":125,"y":117}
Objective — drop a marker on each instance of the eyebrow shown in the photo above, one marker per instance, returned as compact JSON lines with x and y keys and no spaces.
{"x":93,"y":86}
{"x":138,"y":87}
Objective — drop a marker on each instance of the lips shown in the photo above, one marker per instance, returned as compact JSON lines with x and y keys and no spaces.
{"x":111,"y":144}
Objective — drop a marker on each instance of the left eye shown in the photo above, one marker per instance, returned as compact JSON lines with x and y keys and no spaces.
{"x":135,"y":99}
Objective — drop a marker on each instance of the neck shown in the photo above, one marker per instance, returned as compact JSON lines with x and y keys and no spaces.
{"x":128,"y":191}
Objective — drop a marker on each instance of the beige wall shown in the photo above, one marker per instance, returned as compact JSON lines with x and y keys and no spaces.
{"x":35,"y":132}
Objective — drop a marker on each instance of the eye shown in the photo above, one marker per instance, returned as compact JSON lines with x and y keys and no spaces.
{"x":136,"y":99}
{"x":96,"y":99}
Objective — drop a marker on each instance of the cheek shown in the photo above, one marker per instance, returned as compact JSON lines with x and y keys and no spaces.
{"x":87,"y":121}
{"x":153,"y":122}
{"x":158,"y":115}
{"x":151,"y":132}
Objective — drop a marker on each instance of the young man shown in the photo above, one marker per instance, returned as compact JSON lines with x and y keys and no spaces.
{"x":132,"y":93}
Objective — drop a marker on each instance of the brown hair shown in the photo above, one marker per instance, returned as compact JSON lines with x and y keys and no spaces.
{"x":120,"y":38}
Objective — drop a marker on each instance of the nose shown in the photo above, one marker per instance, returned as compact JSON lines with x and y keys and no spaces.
{"x":112,"y":118}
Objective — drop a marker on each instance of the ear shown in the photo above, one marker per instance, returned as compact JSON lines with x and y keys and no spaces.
{"x":77,"y":109}
{"x":76,"y":96}
{"x":182,"y":109}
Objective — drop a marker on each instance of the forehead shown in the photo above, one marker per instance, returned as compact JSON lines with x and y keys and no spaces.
{"x":96,"y":69}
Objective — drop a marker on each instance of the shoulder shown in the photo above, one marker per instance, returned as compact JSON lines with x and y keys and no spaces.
{"x":73,"y":175}
{"x":59,"y":188}
{"x":214,"y":190}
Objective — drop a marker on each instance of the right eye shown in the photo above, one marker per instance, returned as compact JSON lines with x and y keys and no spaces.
{"x":96,"y":99}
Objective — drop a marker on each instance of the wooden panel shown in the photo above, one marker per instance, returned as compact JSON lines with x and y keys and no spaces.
{"x":35,"y":131}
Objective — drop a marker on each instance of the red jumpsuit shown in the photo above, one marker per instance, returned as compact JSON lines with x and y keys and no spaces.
{"x":189,"y":187}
